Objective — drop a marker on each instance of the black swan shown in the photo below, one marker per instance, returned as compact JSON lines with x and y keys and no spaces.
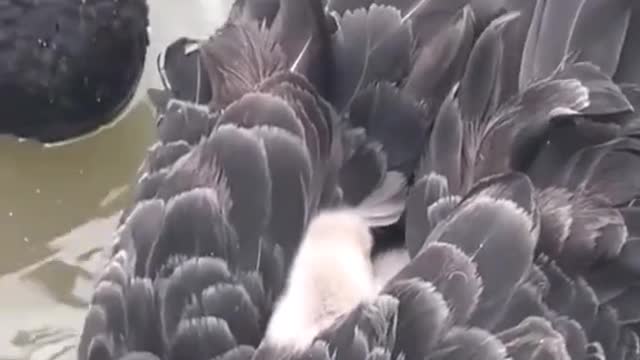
{"x":515,"y":133}
{"x":68,"y":67}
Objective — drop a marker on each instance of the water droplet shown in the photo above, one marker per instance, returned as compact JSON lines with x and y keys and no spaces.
{"x":26,"y":239}
{"x":98,"y":99}
{"x":37,"y":191}
{"x":10,"y":213}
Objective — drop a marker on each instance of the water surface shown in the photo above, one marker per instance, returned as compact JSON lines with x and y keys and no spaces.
{"x":59,"y":206}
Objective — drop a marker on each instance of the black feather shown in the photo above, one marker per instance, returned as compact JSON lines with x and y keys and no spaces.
{"x":393,"y":119}
{"x":442,"y":56}
{"x":243,"y":160}
{"x":233,"y":304}
{"x":290,"y":169}
{"x":452,"y":273}
{"x":187,"y":281}
{"x":201,"y":339}
{"x":195,"y":224}
{"x":362,"y":44}
{"x":600,"y":45}
{"x":184,"y":121}
{"x":465,"y":343}
{"x":444,"y":152}
{"x":534,"y":338}
{"x":144,"y":327}
{"x":238,"y":58}
{"x":183,"y":71}
{"x":422,"y":310}
{"x":425,"y":192}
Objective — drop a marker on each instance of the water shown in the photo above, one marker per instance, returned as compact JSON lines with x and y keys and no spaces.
{"x":59,"y":206}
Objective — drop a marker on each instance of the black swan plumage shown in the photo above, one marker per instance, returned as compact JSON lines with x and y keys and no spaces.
{"x":518,"y":137}
{"x":68,"y":66}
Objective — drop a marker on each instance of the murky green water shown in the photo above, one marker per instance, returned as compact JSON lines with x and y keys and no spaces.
{"x":59,"y":206}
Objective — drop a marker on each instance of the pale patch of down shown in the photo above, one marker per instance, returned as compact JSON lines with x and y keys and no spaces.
{"x":329,"y":277}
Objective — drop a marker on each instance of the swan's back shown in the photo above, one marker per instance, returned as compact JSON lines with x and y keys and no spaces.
{"x":513,"y":254}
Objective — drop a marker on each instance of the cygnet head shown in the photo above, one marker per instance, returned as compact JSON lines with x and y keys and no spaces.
{"x":341,"y":226}
{"x":330,"y":275}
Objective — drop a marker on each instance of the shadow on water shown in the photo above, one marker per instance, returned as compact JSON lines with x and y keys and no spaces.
{"x":59,"y":206}
{"x":47,"y":191}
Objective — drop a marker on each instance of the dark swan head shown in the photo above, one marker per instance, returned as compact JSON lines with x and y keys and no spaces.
{"x":69,"y":67}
